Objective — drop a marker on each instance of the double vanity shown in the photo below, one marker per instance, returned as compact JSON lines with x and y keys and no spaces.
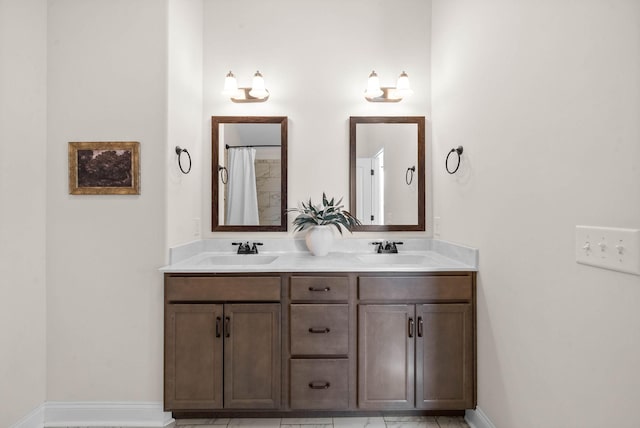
{"x":285,"y":333}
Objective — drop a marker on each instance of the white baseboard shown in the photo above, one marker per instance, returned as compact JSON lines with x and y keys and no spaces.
{"x":96,"y":414}
{"x":477,"y":419}
{"x":35,"y":419}
{"x":106,"y":414}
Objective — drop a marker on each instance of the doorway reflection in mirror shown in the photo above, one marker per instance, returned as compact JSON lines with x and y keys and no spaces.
{"x":382,"y":152}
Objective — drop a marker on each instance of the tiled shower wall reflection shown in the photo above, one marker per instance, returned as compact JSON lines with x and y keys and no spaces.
{"x":268,"y":187}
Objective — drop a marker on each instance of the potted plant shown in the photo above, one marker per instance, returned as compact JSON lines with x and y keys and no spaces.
{"x":320,"y":220}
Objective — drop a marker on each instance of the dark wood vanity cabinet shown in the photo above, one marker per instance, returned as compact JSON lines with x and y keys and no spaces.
{"x":416,"y":355}
{"x":222,"y":355}
{"x":320,"y":342}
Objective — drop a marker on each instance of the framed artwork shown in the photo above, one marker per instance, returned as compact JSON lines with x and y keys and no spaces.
{"x":104,"y":168}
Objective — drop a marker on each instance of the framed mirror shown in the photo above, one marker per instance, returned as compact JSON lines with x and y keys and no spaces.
{"x":386,"y":172}
{"x":249,"y":173}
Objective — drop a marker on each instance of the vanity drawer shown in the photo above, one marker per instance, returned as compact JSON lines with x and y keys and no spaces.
{"x":319,"y":288}
{"x":319,"y":384}
{"x":394,"y":288}
{"x":319,"y":329}
{"x":230,"y":289}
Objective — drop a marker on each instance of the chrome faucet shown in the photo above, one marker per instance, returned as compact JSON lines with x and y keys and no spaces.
{"x":387,"y":247}
{"x":245,"y":248}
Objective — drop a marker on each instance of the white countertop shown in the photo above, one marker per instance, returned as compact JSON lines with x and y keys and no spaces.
{"x":351,"y":255}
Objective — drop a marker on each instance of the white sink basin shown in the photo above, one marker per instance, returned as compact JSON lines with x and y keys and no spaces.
{"x":237,"y":260}
{"x":392,"y":259}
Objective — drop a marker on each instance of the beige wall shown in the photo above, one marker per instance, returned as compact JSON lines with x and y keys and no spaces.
{"x":545,"y":98}
{"x":107,"y":70}
{"x":22,"y":207}
{"x":184,"y":122}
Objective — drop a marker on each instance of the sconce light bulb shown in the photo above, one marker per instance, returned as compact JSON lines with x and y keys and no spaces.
{"x":403,"y":88}
{"x":257,"y":87}
{"x":373,"y":86}
{"x":230,"y":85}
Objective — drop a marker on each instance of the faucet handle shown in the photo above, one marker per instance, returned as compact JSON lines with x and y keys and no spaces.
{"x":394,"y":248}
{"x":379,"y":244}
{"x":242,"y":247}
{"x":254,"y":248}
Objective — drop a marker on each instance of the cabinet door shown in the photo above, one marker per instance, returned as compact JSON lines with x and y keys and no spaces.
{"x":252,"y":356}
{"x":444,"y":366}
{"x":386,"y":356}
{"x":193,"y":357}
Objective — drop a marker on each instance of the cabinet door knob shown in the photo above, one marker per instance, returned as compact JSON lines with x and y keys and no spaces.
{"x":420,"y":327}
{"x":319,"y":288}
{"x":319,"y":384}
{"x":411,"y":327}
{"x":319,"y":330}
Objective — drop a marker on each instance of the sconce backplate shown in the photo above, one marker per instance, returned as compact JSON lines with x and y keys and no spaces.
{"x":244,"y":97}
{"x":388,"y":96}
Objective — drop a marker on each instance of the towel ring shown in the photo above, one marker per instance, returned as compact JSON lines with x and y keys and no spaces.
{"x":458,"y":150}
{"x":408,"y":176}
{"x":224,"y":174}
{"x":179,"y":152}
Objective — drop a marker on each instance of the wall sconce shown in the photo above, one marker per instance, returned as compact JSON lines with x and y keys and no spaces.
{"x":257,"y":93}
{"x":387,"y":94}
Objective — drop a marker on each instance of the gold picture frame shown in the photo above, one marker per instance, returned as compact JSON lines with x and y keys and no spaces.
{"x":104,"y":168}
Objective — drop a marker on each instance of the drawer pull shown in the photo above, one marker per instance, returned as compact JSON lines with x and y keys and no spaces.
{"x":318,"y":384}
{"x":319,"y":288}
{"x":319,"y":329}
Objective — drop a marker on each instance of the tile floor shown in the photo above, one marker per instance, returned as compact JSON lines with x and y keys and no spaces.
{"x":350,"y":422}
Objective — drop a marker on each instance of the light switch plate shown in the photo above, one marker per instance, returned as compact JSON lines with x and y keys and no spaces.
{"x":609,"y":248}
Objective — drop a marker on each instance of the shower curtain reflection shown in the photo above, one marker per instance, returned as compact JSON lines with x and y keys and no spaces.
{"x":242,"y":198}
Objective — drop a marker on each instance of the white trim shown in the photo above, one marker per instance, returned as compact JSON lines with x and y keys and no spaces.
{"x":477,"y":419}
{"x":104,"y":414}
{"x":148,"y":415}
{"x":35,"y":419}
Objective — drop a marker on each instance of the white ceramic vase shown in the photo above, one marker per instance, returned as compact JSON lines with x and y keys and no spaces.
{"x":319,"y":239}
